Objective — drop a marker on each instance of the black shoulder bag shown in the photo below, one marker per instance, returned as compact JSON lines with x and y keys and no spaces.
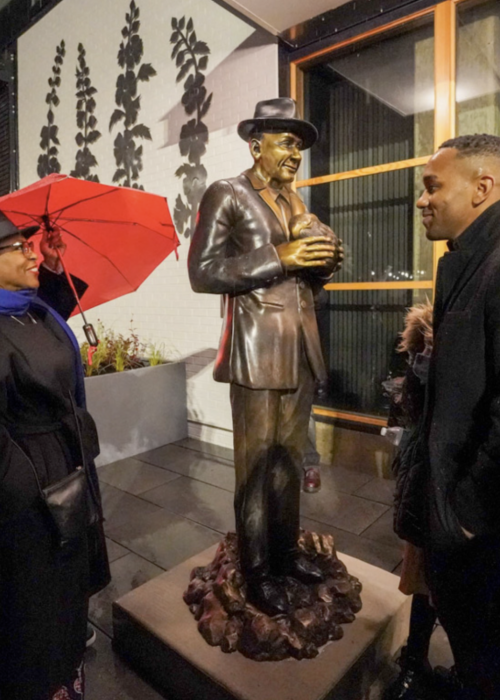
{"x":71,"y":501}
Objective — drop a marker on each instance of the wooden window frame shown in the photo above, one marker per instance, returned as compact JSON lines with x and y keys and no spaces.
{"x":445,"y":28}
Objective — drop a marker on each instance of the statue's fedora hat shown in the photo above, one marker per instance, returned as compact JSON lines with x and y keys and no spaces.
{"x":7,"y":228}
{"x":278,"y":115}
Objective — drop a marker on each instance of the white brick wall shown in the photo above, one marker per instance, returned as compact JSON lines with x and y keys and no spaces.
{"x":241,"y":71}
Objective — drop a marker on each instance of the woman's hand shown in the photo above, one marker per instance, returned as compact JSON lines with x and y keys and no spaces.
{"x":51,"y":243}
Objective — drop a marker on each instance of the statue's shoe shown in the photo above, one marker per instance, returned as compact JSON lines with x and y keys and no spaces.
{"x":268,"y":596}
{"x":302,"y":569}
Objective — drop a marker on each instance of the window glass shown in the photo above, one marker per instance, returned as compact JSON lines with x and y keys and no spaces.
{"x":360,"y":334}
{"x":370,"y":108}
{"x":478,"y":58}
{"x":377,"y":219}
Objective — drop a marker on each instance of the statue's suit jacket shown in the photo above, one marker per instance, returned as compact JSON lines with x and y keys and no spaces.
{"x":269,"y":315}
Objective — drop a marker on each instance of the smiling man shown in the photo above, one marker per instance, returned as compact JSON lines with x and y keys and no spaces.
{"x":270,"y":350}
{"x":461,"y":204}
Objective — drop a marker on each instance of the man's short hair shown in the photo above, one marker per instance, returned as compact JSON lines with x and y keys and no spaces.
{"x":259,"y":133}
{"x":474,"y":145}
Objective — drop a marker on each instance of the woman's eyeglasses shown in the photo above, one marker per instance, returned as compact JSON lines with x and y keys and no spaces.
{"x":26,"y":247}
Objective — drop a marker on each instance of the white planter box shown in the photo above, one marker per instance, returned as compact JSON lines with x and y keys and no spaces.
{"x":138,"y":410}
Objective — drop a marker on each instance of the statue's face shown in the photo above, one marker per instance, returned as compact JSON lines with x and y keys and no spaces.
{"x":278,"y":157}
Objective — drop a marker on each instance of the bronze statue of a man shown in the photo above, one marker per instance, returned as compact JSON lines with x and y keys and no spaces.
{"x":270,"y":349}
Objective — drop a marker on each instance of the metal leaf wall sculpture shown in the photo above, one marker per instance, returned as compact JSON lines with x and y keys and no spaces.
{"x":191,"y":57}
{"x":128,"y":155}
{"x":47,"y":160}
{"x":86,"y":121}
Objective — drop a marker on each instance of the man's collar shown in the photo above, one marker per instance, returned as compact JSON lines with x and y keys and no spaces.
{"x":479,"y":231}
{"x":258,"y":185}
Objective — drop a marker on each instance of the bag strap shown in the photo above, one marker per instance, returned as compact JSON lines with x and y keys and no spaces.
{"x":82,"y":451}
{"x":78,"y":431}
{"x":30,"y":462}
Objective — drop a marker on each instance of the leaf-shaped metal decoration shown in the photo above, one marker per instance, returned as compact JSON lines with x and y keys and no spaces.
{"x":201,"y":48}
{"x":185,"y":70}
{"x":47,"y":161}
{"x":86,"y":121}
{"x":176,"y":49}
{"x":128,"y":155}
{"x":191,"y":56}
{"x":146,"y":71}
{"x":142,"y":132}
{"x":206,"y":105}
{"x":180,"y":58}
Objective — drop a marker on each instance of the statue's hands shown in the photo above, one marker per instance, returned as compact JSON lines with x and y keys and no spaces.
{"x":339,"y":250}
{"x":49,"y":245}
{"x":313,"y":251}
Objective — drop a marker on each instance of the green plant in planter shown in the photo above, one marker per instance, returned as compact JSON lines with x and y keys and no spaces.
{"x":156,"y":354}
{"x":117,"y":353}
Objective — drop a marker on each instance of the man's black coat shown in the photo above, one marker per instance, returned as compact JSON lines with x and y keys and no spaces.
{"x":463,"y":402}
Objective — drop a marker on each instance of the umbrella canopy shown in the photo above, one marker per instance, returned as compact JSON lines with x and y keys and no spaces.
{"x":115,"y":236}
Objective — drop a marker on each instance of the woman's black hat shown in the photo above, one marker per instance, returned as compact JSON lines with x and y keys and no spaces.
{"x":7,"y":228}
{"x":278,"y":115}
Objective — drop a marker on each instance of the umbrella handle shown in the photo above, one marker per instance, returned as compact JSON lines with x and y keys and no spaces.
{"x":88,"y":328}
{"x":91,"y":335}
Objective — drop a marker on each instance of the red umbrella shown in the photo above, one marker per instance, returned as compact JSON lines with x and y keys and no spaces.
{"x":116,"y":236}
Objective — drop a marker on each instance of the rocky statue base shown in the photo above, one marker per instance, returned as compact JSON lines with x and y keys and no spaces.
{"x":217,"y":598}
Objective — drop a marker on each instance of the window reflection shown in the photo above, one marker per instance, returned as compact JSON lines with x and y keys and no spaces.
{"x":360,"y":333}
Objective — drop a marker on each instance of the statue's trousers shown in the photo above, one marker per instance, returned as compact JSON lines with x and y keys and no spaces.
{"x":270,"y":434}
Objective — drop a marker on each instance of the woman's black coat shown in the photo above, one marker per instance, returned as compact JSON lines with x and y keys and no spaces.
{"x":44,"y":588}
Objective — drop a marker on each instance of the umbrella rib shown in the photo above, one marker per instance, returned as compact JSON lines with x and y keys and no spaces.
{"x":33,"y":217}
{"x":49,"y":189}
{"x":115,"y":221}
{"x":99,"y":253}
{"x":122,"y":223}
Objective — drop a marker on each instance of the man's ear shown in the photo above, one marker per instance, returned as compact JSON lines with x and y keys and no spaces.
{"x":484,"y":187}
{"x":255,"y":149}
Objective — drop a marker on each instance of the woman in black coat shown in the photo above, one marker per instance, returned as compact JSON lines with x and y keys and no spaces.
{"x":44,"y":587}
{"x":416,"y":681}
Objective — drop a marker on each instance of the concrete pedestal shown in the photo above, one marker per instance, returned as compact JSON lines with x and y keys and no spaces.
{"x":156,"y":633}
